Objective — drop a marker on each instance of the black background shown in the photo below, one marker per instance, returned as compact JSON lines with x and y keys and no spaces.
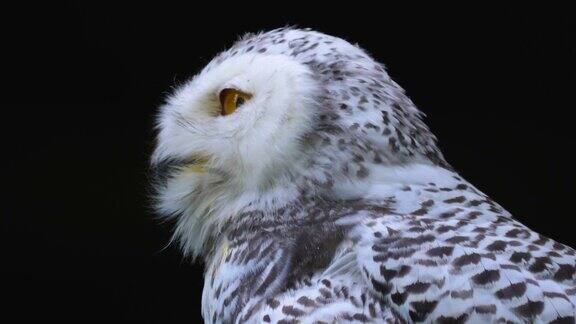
{"x":83,"y":81}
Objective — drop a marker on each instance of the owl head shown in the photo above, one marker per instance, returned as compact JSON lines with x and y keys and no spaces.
{"x":278,"y":116}
{"x":242,"y":119}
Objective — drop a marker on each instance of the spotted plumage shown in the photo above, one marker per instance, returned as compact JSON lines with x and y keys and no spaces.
{"x":324,"y":198}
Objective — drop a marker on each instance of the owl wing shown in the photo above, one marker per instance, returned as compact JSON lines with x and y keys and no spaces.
{"x":460,"y":257}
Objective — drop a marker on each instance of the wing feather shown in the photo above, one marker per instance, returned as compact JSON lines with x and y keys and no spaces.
{"x":458,"y":256}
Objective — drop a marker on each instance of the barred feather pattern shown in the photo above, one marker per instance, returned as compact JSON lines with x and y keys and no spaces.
{"x":430,"y":254}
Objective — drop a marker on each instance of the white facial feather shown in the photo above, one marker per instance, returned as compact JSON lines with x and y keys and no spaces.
{"x":261,"y":133}
{"x":247,"y":152}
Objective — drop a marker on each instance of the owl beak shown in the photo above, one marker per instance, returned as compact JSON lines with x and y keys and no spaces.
{"x":197,"y":164}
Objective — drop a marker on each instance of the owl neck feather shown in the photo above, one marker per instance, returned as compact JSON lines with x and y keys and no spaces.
{"x":213,"y":211}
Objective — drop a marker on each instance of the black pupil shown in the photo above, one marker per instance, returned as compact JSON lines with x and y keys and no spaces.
{"x":239,"y":101}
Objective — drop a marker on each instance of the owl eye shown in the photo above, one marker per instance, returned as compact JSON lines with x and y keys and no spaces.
{"x":232,"y":99}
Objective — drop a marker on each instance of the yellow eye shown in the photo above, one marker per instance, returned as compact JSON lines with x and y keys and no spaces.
{"x":232,"y":99}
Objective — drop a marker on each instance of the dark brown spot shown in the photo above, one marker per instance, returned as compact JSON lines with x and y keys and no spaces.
{"x":466,"y":259}
{"x":360,"y":317}
{"x":530,"y":309}
{"x":459,"y":199}
{"x":273,"y":273}
{"x":428,"y":203}
{"x":419,"y":212}
{"x":486,"y":277}
{"x":372,"y":309}
{"x":440,"y":251}
{"x":558,"y":246}
{"x":541,"y":240}
{"x":563,"y":320}
{"x":409,"y":241}
{"x":514,"y":290}
{"x":404,"y":270}
{"x":462,"y":294}
{"x":292,"y":311}
{"x":551,"y":294}
{"x":497,"y":246}
{"x":421,"y":309}
{"x":325,"y":293}
{"x":388,"y":274}
{"x":510,"y":267}
{"x":485,"y":309}
{"x":452,"y":320}
{"x":426,"y":262}
{"x":273,"y":303}
{"x":516,"y":232}
{"x":399,"y":298}
{"x":446,"y":228}
{"x":540,"y":264}
{"x":381,"y":287}
{"x":362,"y":172}
{"x":565,"y":272}
{"x":457,"y":239}
{"x":306,"y":301}
{"x":475,"y":202}
{"x":448,"y":214}
{"x":518,"y":257}
{"x":287,"y":321}
{"x":417,"y":287}
{"x":417,"y":229}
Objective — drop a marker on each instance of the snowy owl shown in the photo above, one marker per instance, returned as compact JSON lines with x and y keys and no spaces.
{"x":305,"y":180}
